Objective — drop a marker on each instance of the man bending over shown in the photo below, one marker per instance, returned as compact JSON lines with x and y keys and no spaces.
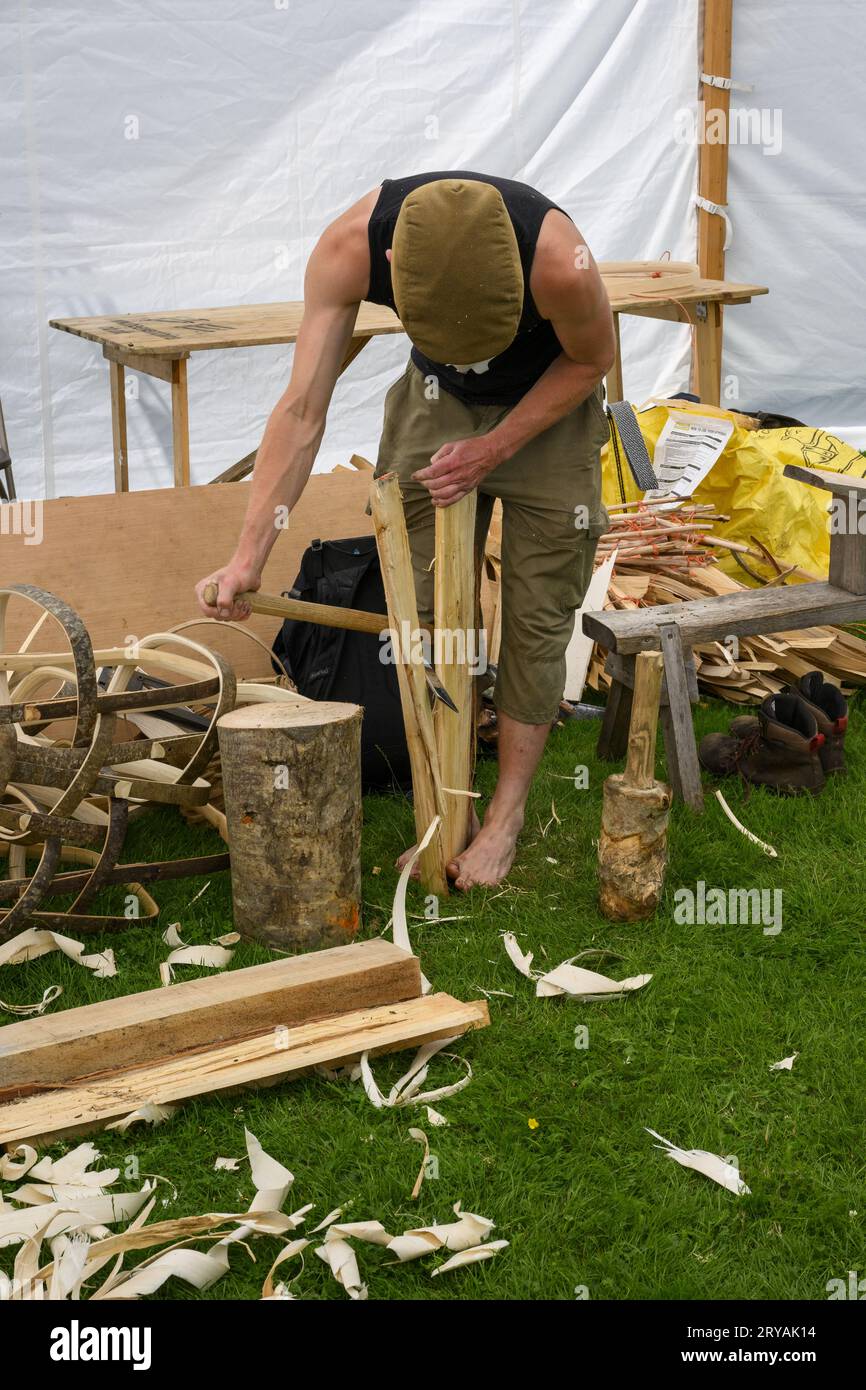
{"x":511,"y":335}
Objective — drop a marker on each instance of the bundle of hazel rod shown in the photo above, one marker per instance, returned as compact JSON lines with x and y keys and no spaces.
{"x":667,"y":533}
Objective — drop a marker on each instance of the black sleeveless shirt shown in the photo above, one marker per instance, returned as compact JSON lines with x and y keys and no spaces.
{"x":514,"y":371}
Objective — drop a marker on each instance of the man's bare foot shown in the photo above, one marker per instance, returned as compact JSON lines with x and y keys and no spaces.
{"x":404,"y":860}
{"x":475,"y":826}
{"x":489,"y":855}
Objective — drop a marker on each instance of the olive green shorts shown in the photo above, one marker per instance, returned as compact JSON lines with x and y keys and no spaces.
{"x":552,"y":516}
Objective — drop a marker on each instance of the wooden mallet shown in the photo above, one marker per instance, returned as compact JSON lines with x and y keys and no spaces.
{"x":632,"y":846}
{"x":326,"y":615}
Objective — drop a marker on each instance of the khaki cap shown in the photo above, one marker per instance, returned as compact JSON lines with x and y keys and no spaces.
{"x":456,"y":271}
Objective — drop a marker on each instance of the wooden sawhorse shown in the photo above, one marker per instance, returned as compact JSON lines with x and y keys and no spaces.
{"x":675,"y":628}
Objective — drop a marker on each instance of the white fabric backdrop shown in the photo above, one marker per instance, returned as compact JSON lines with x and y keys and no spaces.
{"x":800,"y":216}
{"x":160,"y":155}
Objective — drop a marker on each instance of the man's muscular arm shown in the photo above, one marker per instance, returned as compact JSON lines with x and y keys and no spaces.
{"x":336,"y":281}
{"x":568,"y":290}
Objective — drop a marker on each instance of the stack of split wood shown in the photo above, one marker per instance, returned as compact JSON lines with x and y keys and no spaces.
{"x":664,"y":553}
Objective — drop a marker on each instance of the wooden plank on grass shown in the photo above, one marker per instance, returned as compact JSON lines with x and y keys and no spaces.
{"x":142,"y":1028}
{"x":334,"y":1041}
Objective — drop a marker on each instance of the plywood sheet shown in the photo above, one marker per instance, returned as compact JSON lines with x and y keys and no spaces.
{"x":129,"y":562}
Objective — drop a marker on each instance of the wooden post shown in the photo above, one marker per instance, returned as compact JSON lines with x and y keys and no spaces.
{"x":395,"y":559}
{"x":180,"y":422}
{"x":632,"y":846}
{"x":614,"y":382}
{"x":708,"y":362}
{"x":847,"y":547}
{"x":641,"y":761}
{"x":713,"y":158}
{"x":118,"y":427}
{"x":292,"y":786}
{"x":680,"y":748}
{"x":455,"y":627}
{"x":613,"y":735}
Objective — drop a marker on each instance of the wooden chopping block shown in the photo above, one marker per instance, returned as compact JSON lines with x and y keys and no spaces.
{"x":292,"y":787}
{"x":632,"y":846}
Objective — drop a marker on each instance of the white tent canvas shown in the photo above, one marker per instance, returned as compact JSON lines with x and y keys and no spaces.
{"x":156,"y":156}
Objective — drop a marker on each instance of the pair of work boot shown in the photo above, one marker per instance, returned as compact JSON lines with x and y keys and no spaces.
{"x":793,"y":745}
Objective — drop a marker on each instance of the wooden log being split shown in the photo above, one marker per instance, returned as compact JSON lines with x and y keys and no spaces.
{"x":455,"y":609}
{"x":632,"y":847}
{"x":292,"y":786}
{"x":396,"y":562}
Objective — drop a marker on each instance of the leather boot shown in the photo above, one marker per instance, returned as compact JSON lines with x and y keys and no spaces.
{"x":781,"y":751}
{"x":830,"y":709}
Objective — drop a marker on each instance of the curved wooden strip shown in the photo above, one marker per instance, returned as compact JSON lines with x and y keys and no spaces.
{"x":159,"y":871}
{"x":118,"y":819}
{"x":90,"y":766}
{"x":63,"y":707}
{"x":225,"y":700}
{"x":31,"y":826}
{"x":168,"y":793}
{"x":92,"y":731}
{"x":81,"y":650}
{"x":48,"y":766}
{"x":236,"y":627}
{"x":82,"y":923}
{"x":44,"y":799}
{"x":20,"y":914}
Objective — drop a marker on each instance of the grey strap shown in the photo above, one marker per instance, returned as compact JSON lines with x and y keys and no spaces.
{"x":632,"y":441}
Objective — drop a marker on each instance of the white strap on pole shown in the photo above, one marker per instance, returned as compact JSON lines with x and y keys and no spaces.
{"x":707,"y":206}
{"x":726,"y":83}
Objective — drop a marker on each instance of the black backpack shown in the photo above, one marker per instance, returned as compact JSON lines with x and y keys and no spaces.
{"x":331,"y":663}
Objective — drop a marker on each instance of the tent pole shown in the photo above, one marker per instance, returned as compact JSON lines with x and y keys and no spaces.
{"x":713,"y":158}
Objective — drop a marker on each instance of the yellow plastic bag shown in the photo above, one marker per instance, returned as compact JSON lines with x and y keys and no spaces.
{"x":747,"y":484}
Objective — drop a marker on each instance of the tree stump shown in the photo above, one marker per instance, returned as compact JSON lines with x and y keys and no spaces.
{"x":292,"y":787}
{"x":632,"y":846}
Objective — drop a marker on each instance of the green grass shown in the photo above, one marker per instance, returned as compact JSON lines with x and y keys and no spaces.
{"x":584,"y":1198}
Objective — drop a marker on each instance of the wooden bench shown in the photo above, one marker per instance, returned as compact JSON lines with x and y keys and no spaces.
{"x":675,"y":628}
